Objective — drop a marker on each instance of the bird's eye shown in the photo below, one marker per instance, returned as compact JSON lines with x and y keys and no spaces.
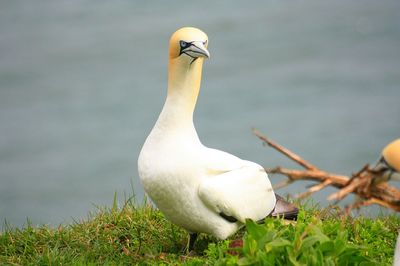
{"x":205,"y":43}
{"x":183,"y":44}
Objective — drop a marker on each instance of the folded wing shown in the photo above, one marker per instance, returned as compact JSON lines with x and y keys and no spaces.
{"x":238,"y":194}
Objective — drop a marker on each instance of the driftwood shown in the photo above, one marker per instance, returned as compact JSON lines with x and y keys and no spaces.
{"x":362,"y":183}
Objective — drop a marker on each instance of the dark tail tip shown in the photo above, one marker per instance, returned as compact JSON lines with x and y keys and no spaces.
{"x":284,"y":209}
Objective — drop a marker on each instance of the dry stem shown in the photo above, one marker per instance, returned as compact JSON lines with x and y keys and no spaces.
{"x":361,"y":183}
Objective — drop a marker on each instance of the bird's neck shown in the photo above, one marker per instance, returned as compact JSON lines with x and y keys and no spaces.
{"x":183,"y":89}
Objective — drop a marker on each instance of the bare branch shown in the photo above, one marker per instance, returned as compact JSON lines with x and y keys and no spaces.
{"x":283,"y":184}
{"x":361,"y":183}
{"x":283,"y":150}
{"x":347,"y":189}
{"x":314,"y":189}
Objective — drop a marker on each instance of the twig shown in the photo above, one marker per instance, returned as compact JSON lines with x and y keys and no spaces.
{"x":316,"y":175}
{"x":369,"y":202}
{"x":283,"y":184}
{"x":347,"y":189}
{"x":285,"y":151}
{"x":314,"y":189}
{"x":361,"y":183}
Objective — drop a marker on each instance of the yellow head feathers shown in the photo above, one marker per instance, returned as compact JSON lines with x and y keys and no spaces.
{"x":391,"y":154}
{"x":188,"y":42}
{"x":187,"y":50}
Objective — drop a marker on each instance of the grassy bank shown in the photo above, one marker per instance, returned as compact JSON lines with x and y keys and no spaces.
{"x":140,"y":234}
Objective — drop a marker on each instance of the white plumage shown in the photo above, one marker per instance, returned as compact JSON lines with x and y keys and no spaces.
{"x":197,"y":187}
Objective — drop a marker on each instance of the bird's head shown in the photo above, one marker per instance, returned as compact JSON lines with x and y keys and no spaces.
{"x":391,"y":154}
{"x":388,"y":166}
{"x":188,"y":44}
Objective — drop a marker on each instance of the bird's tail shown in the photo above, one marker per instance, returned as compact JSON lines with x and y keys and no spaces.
{"x":284,"y":209}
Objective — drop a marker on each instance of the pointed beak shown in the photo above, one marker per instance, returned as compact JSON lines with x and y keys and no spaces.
{"x":197,"y":49}
{"x":386,"y":171}
{"x":395,"y":176}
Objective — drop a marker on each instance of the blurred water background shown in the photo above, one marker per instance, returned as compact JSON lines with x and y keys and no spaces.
{"x":82,"y":83}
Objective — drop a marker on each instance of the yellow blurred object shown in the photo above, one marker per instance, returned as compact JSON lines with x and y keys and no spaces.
{"x":391,"y":154}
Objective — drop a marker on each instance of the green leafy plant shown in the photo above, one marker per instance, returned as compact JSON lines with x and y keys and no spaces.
{"x":317,"y":239}
{"x":140,"y":234}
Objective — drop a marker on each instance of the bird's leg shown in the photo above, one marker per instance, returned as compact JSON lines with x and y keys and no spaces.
{"x":192,"y":240}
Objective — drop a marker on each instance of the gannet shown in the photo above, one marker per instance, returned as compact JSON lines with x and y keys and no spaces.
{"x":201,"y":189}
{"x":396,"y":259}
{"x":388,"y":165}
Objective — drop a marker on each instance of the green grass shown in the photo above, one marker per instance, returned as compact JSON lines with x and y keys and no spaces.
{"x":139,"y":234}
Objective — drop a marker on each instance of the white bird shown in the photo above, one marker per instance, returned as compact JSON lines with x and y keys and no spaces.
{"x":388,"y":166}
{"x":396,"y":259}
{"x":201,"y":189}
